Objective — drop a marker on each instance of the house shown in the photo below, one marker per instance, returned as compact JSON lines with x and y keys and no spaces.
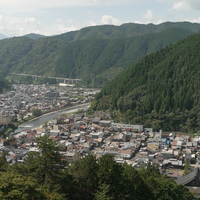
{"x":173,"y":174}
{"x":129,"y":126}
{"x":198,"y":159}
{"x":172,"y":136}
{"x":165,"y":143}
{"x":167,"y":154}
{"x":144,"y":154}
{"x":105,"y":122}
{"x":179,"y":144}
{"x":172,"y":162}
{"x":95,"y":135}
{"x":189,"y":144}
{"x":188,"y":156}
{"x":4,"y":117}
{"x":191,"y":179}
{"x":153,"y":145}
{"x":96,"y":120}
{"x":125,"y":153}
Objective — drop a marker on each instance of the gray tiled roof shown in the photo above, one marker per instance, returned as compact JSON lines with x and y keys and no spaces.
{"x":189,"y":177}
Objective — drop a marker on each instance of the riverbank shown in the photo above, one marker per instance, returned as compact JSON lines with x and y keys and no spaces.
{"x":16,"y":125}
{"x":51,"y":112}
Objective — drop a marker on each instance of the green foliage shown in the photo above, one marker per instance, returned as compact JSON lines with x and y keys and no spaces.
{"x":45,"y":175}
{"x":162,"y":88}
{"x":187,"y":167}
{"x":34,"y":36}
{"x":4,"y":84}
{"x":98,"y":61}
{"x":45,"y":164}
{"x":94,"y":54}
{"x":36,"y":112}
{"x":125,"y":30}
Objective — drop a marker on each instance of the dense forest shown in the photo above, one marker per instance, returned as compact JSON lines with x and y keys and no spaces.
{"x":47,"y":175}
{"x":98,"y":61}
{"x":161,"y":90}
{"x":125,"y":30}
{"x":94,"y":54}
{"x":4,"y":84}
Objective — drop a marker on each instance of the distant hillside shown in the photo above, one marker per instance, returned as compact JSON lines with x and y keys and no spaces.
{"x":24,"y":55}
{"x":161,"y":90}
{"x":2,"y":36}
{"x":96,"y":61}
{"x":34,"y":36}
{"x":4,"y":84}
{"x":125,"y":30}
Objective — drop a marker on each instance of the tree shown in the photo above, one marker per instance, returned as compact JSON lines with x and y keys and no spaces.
{"x":3,"y":162}
{"x":187,"y":167}
{"x":16,"y":186}
{"x":36,"y":112}
{"x":102,"y":193}
{"x":45,"y":125}
{"x":21,"y":115}
{"x":109,"y":174}
{"x":46,"y":164}
{"x":85,"y":174}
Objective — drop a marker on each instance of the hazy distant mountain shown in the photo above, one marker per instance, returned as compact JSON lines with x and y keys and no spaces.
{"x":93,"y":58}
{"x":125,"y":30}
{"x":34,"y":36}
{"x":2,"y":36}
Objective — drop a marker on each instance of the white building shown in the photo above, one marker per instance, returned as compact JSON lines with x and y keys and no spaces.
{"x":134,"y":127}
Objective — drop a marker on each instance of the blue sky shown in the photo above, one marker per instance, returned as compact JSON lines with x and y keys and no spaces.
{"x":51,"y":17}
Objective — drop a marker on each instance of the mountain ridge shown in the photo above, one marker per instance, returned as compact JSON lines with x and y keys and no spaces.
{"x":161,"y":90}
{"x":95,"y":60}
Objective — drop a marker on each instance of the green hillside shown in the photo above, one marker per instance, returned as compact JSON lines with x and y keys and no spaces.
{"x":98,"y":61}
{"x":161,"y":90}
{"x":24,"y":55}
{"x":4,"y":84}
{"x":95,"y":61}
{"x":34,"y":36}
{"x":125,"y":30}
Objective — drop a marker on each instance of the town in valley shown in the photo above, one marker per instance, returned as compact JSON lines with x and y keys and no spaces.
{"x":79,"y":134}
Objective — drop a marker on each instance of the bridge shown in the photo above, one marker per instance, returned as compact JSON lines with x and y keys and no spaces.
{"x":58,"y":79}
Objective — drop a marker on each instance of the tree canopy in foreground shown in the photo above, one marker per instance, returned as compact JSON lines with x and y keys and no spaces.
{"x":46,"y":175}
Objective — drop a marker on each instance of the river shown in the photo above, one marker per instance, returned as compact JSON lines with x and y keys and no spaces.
{"x":47,"y":117}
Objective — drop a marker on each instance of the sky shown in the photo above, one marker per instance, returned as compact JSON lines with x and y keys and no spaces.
{"x":53,"y":17}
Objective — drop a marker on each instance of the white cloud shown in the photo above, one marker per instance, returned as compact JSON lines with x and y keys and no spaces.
{"x":2,"y":18}
{"x":28,"y":5}
{"x":183,"y":4}
{"x":92,"y":23}
{"x":32,"y":22}
{"x":107,"y":19}
{"x":148,"y":15}
{"x":193,"y":20}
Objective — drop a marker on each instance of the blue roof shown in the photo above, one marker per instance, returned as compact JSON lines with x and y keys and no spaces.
{"x":163,"y":139}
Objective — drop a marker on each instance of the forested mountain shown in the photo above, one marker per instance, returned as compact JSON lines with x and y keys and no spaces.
{"x":125,"y":30}
{"x":162,"y":90}
{"x":24,"y":55}
{"x":34,"y":36}
{"x":96,"y":61}
{"x":4,"y":84}
{"x":46,"y":175}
